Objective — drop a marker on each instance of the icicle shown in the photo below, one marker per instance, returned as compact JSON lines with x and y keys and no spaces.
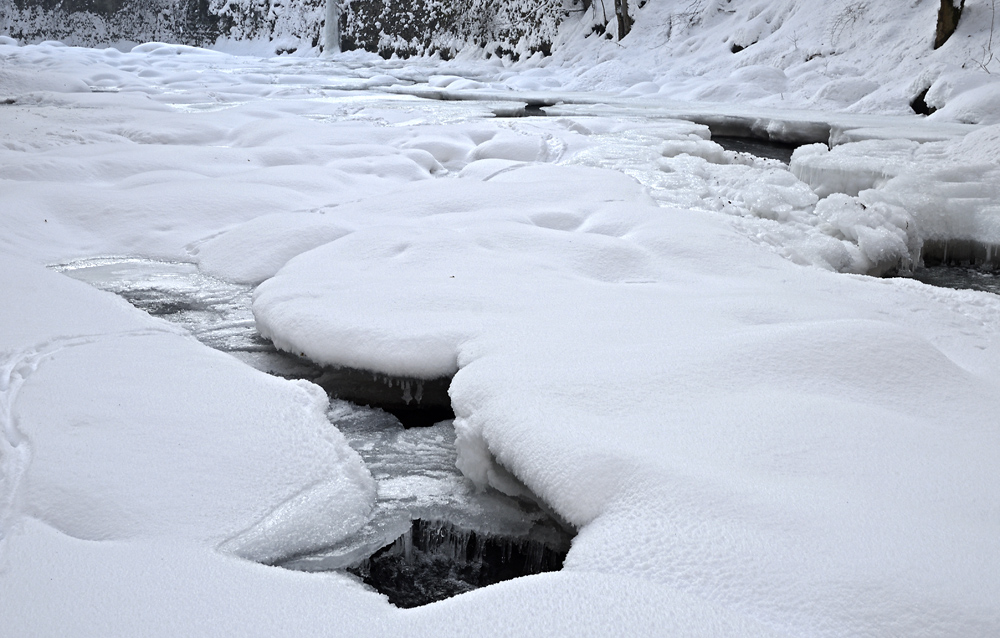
{"x":408,"y":546}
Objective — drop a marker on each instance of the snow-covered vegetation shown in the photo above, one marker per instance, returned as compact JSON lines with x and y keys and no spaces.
{"x":688,"y":355}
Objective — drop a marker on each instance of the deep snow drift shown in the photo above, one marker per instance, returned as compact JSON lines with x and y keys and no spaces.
{"x":649,"y":332}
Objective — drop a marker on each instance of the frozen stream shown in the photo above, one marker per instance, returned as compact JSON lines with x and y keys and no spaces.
{"x":432,"y":534}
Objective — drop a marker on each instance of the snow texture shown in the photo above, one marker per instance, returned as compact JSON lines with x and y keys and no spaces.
{"x":659,"y":338}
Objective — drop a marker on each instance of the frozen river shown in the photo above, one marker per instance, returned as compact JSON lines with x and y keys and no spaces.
{"x":681,"y":384}
{"x":432,"y":534}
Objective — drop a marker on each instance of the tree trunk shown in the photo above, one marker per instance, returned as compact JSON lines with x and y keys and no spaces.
{"x":947,"y":22}
{"x":625,"y":20}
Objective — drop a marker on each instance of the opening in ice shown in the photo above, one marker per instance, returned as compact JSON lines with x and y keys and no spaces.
{"x":767,"y":149}
{"x":432,"y":533}
{"x":434,"y":560}
{"x":218,"y":313}
{"x":960,"y":264}
{"x":513,"y":109}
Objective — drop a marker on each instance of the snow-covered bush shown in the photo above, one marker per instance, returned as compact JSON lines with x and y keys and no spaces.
{"x":288,"y":23}
{"x":180,"y":21}
{"x":501,"y":27}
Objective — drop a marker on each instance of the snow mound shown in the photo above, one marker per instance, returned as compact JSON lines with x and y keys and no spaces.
{"x":511,"y":146}
{"x":14,"y":83}
{"x":257,"y":249}
{"x":456,"y":266}
{"x":125,"y":443}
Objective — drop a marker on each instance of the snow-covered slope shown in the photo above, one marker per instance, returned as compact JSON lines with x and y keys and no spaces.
{"x":858,"y":55}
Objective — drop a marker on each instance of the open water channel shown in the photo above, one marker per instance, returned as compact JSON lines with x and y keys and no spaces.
{"x":432,"y":534}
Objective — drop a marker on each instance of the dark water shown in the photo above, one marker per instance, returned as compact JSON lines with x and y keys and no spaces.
{"x":961,"y":253}
{"x":431,"y":535}
{"x":435,"y":560}
{"x":761,"y":148}
{"x":960,"y":278}
{"x":514,"y":109}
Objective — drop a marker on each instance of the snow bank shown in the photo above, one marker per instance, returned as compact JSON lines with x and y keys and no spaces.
{"x":855,"y":56}
{"x":109,"y":433}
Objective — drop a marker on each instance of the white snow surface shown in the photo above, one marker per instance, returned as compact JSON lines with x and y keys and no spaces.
{"x":647,"y":331}
{"x":857,"y":56}
{"x":110,"y":435}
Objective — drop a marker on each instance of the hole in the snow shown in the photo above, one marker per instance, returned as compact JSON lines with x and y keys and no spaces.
{"x":432,"y":534}
{"x":434,"y":560}
{"x":919,"y":104}
{"x":531,"y":109}
{"x":960,"y":252}
{"x":960,"y":277}
{"x":780,"y":151}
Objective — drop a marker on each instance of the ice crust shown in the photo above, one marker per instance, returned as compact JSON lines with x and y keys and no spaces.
{"x":418,"y":479}
{"x":648,"y":332}
{"x":946,"y":190}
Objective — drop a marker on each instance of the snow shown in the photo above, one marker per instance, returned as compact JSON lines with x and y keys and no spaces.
{"x":432,"y":240}
{"x":660,"y":339}
{"x":113,"y":454}
{"x":920,"y":181}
